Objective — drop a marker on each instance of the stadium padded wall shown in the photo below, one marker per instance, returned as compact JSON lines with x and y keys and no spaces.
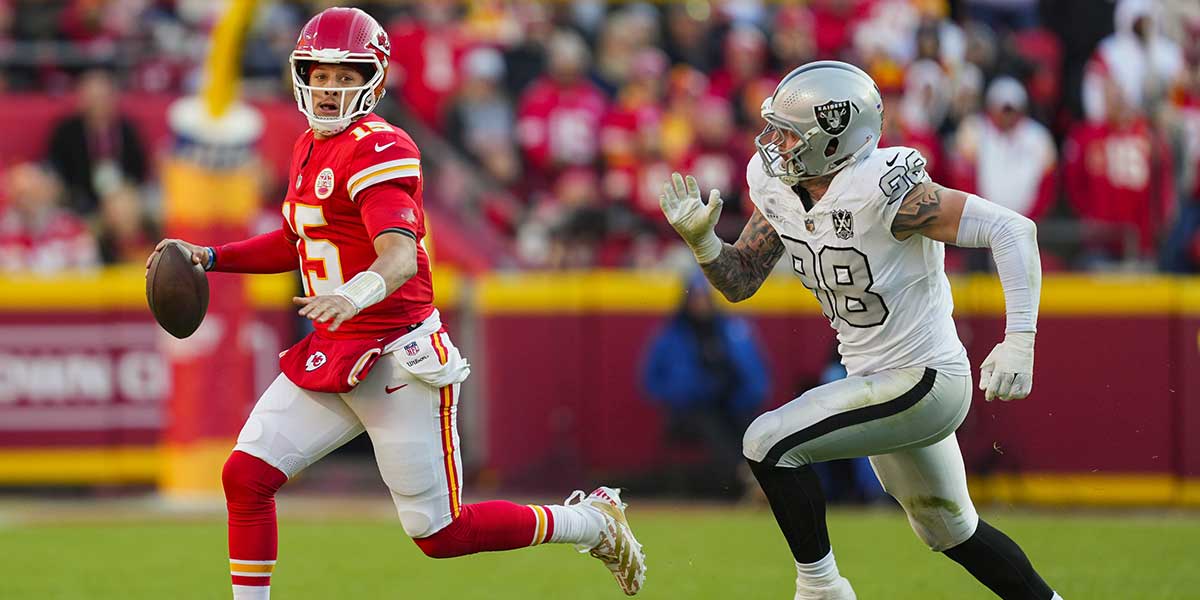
{"x":1114,"y":417}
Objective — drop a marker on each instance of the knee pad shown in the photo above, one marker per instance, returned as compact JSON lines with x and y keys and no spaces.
{"x":450,"y":540}
{"x":248,"y":478}
{"x":761,"y":435}
{"x":413,"y":473}
{"x":940,"y":522}
{"x":417,"y":521}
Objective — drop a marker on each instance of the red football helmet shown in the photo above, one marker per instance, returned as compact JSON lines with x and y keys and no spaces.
{"x":334,"y":36}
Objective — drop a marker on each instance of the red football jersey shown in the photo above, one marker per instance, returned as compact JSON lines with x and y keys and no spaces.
{"x":343,"y":192}
{"x":1119,"y":175}
{"x":556,"y":124}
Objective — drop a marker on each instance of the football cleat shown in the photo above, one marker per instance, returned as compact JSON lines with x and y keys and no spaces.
{"x":618,"y":549}
{"x":840,"y":590}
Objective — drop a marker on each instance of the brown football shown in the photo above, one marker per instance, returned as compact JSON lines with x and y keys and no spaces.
{"x":177,"y":291}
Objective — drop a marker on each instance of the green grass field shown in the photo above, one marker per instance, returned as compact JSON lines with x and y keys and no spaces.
{"x":693,"y":553}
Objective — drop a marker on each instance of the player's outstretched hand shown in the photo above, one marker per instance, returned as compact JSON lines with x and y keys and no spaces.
{"x":692,"y":218}
{"x":329,"y":307}
{"x":1007,"y":373}
{"x":199,"y":253}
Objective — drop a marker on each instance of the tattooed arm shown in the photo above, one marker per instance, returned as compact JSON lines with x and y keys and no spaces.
{"x":742,"y":267}
{"x":930,"y":210}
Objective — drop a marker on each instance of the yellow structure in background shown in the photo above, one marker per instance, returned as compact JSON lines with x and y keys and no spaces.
{"x":210,"y":190}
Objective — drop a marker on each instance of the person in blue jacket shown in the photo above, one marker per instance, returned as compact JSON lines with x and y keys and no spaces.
{"x":705,"y":368}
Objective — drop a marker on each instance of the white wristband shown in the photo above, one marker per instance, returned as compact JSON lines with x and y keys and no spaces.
{"x":363,"y":290}
{"x":708,"y":248}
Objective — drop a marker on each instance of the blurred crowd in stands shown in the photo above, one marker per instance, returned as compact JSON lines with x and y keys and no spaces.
{"x":553,"y":125}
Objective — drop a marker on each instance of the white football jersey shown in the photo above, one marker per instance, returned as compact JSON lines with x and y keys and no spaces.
{"x":888,"y":300}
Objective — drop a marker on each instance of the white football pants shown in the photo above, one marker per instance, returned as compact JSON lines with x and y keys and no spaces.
{"x":412,"y":425}
{"x":904,"y":420}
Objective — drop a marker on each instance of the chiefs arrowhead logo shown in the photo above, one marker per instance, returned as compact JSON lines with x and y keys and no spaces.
{"x":381,"y":41}
{"x":315,"y":360}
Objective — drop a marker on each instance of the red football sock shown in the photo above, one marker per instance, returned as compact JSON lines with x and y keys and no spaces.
{"x":250,"y":486}
{"x":490,"y":526}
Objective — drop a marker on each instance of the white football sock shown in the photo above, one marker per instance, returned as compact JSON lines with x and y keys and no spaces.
{"x":575,"y":524}
{"x":1056,"y":597}
{"x":251,"y":592}
{"x":822,"y":573}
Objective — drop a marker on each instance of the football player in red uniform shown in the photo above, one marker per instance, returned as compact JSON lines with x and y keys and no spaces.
{"x":380,"y":360}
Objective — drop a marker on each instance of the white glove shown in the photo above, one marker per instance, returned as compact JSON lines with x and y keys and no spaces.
{"x":691,"y":218}
{"x":1007,"y":373}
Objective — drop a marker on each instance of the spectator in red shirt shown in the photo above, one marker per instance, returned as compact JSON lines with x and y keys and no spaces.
{"x":1118,"y":179}
{"x":718,"y":160}
{"x":425,"y":55}
{"x":559,"y":114}
{"x":36,"y":233}
{"x":835,"y":21}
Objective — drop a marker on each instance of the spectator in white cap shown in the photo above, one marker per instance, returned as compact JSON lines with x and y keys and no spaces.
{"x":481,"y":113}
{"x":1137,"y":57}
{"x":1006,"y":156}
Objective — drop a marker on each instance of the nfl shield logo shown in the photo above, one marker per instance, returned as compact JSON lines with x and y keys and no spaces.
{"x":809,"y":225}
{"x":411,"y":349}
{"x":833,"y":116}
{"x":843,"y":224}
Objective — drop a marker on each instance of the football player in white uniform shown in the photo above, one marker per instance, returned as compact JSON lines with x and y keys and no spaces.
{"x":864,"y":229}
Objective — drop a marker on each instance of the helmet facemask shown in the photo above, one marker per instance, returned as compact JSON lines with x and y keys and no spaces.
{"x":784,"y":164}
{"x":354,"y":102}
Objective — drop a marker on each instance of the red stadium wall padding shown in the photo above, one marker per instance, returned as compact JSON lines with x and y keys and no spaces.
{"x":1185,"y":394}
{"x":1099,"y":405}
{"x":569,"y":402}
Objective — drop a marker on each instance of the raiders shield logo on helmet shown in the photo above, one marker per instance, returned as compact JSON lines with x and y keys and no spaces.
{"x":833,"y":116}
{"x":843,"y":224}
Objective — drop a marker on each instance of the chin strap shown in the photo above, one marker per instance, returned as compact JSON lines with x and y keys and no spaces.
{"x":328,"y":128}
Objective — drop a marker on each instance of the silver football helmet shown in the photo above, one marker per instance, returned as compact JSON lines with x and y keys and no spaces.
{"x":833,"y":110}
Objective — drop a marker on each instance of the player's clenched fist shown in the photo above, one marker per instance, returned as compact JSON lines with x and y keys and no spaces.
{"x":692,"y":218}
{"x":200,"y":254}
{"x":1007,"y":373}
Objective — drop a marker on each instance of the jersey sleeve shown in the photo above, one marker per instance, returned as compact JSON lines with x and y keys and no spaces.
{"x":894,"y":173}
{"x":766,"y":193}
{"x":383,"y":155}
{"x":388,"y":207}
{"x":756,"y":180}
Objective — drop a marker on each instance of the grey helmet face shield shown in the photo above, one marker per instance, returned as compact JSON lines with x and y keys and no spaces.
{"x":822,"y":117}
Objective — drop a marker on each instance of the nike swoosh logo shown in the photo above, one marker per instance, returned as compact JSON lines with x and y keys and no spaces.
{"x":889,"y":163}
{"x":392,"y":389}
{"x":379,"y":148}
